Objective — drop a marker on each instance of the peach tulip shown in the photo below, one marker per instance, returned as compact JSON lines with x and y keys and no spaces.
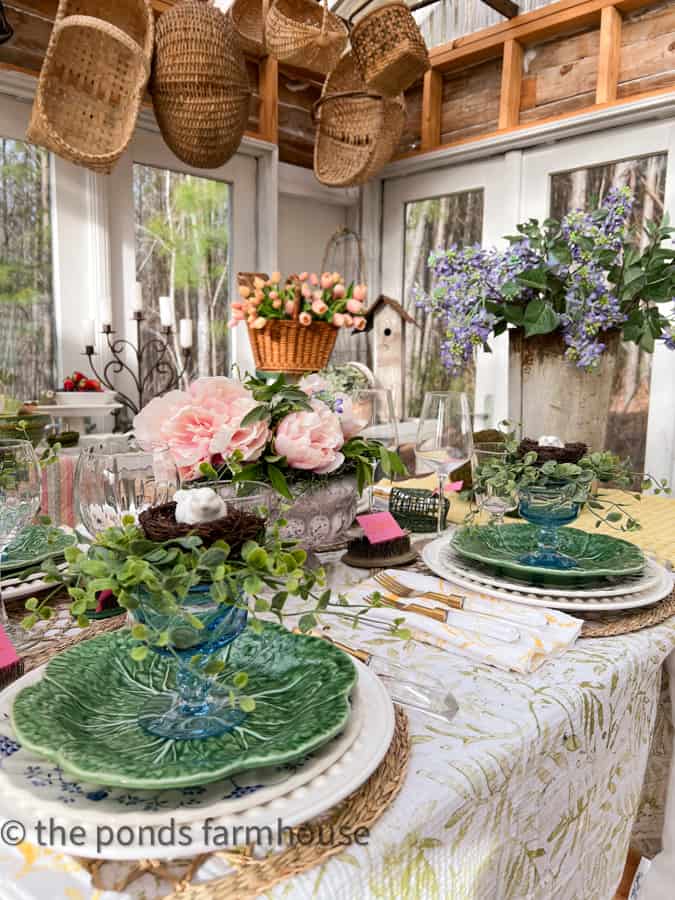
{"x":359,"y":323}
{"x":237,"y":304}
{"x":244,"y":292}
{"x":338,"y":320}
{"x":314,"y":279}
{"x":360,"y":292}
{"x":305,"y":318}
{"x":276,"y":303}
{"x":354,"y":306}
{"x":233,"y":323}
{"x":349,"y":321}
{"x":260,"y":322}
{"x":238,"y":314}
{"x":337,"y":278}
{"x":258,"y":282}
{"x":319,"y":308}
{"x":276,"y":277}
{"x":303,"y":276}
{"x":326,"y":281}
{"x":317,"y":295}
{"x":339,"y":291}
{"x":274,"y":295}
{"x":306,"y":291}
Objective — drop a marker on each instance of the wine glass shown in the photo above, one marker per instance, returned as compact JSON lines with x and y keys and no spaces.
{"x":373,"y":410}
{"x":116,"y":480}
{"x":444,"y":438}
{"x":20,"y":490}
{"x":494,"y":492}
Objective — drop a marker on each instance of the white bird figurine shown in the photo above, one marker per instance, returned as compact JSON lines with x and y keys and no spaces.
{"x":199,"y":505}
{"x":550,"y":440}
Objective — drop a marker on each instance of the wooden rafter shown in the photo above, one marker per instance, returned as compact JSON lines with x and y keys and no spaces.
{"x":506,"y":8}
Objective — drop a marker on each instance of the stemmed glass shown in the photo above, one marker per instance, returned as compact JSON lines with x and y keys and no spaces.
{"x":20,"y":488}
{"x":112,"y":481}
{"x":496,"y":496}
{"x":444,"y":438}
{"x":373,"y":409}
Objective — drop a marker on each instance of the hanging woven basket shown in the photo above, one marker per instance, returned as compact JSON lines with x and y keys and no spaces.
{"x":248,"y":19}
{"x":303,"y":33}
{"x":199,"y":84}
{"x":389,"y":49}
{"x":284,"y":345}
{"x":358,"y":130}
{"x":92,"y":81}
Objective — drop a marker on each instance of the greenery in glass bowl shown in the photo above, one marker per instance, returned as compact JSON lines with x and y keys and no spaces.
{"x":514,"y":472}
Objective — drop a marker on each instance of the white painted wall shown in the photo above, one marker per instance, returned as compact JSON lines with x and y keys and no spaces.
{"x":305,"y":227}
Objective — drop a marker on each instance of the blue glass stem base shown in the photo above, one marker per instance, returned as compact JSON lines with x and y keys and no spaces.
{"x":547,"y":555}
{"x":197,"y":708}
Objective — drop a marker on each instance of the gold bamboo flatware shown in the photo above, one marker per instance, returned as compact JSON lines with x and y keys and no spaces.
{"x":389,"y":583}
{"x":439,"y":615}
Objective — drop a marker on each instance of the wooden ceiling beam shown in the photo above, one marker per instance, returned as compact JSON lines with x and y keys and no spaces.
{"x":506,"y":8}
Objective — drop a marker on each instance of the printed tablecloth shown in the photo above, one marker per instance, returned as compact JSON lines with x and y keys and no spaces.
{"x":530,"y":793}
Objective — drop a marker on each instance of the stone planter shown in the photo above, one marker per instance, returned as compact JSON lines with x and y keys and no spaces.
{"x":550,"y":395}
{"x":322,"y":513}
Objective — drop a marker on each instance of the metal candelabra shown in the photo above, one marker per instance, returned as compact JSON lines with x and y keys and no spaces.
{"x":164,"y":365}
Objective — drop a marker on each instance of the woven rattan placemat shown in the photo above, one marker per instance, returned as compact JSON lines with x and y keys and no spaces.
{"x":623,"y":622}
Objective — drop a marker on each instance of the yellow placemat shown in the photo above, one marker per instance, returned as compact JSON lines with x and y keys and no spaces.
{"x":656,"y":515}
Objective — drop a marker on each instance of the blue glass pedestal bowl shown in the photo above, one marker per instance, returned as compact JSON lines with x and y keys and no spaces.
{"x":549,"y":508}
{"x":195,"y":706}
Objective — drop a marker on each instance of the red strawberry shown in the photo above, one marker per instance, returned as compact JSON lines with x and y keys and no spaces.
{"x":92,"y":385}
{"x":68,"y":385}
{"x":78,"y":376}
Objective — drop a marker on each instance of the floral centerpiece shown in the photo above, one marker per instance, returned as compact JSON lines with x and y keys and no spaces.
{"x":301,"y":439}
{"x":293,"y":324}
{"x":583,"y":276}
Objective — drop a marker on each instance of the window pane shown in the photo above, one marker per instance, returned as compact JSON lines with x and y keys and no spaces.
{"x":584,"y":189}
{"x":183,"y":251}
{"x":27,"y":338}
{"x":430,"y":225}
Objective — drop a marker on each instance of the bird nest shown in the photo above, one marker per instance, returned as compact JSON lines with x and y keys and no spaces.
{"x":159,"y":524}
{"x":570,"y":453}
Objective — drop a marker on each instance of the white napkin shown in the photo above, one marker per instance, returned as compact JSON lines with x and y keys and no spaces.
{"x":541,"y":634}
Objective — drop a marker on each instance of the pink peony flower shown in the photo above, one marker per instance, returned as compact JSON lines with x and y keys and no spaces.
{"x":188,"y":434}
{"x":250,"y":440}
{"x":313,"y":384}
{"x":319,"y":307}
{"x":339,"y":291}
{"x":304,"y":318}
{"x":354,"y":306}
{"x":360,"y":292}
{"x":311,"y":440}
{"x":338,"y":320}
{"x":149,"y":421}
{"x":216,"y":392}
{"x":351,"y":426}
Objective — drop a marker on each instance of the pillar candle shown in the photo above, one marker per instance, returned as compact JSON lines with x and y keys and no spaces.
{"x":89,"y":328}
{"x":138,"y":297}
{"x":166,"y":311}
{"x":186,"y":333}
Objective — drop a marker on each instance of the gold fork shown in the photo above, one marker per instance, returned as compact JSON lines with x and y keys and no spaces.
{"x":401,"y":590}
{"x":440,"y":615}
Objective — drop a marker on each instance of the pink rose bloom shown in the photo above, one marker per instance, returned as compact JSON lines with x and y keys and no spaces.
{"x":232,"y":436}
{"x":311,"y":440}
{"x":359,"y":323}
{"x":360,"y":292}
{"x":338,"y":320}
{"x":319,"y":307}
{"x":304,"y":318}
{"x":149,"y":421}
{"x":339,"y":291}
{"x":354,"y":306}
{"x":313,"y":384}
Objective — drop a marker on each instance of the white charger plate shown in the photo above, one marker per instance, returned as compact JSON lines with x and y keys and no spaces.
{"x":653,"y":585}
{"x":35,"y":790}
{"x":21,"y":589}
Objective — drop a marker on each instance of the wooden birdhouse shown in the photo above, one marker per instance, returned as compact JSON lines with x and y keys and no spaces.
{"x":388,"y":320}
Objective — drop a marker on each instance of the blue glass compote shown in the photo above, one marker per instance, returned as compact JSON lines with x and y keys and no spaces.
{"x":196,"y":706}
{"x":549,"y":507}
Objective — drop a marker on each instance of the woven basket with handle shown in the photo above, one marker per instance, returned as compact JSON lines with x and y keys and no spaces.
{"x":358,"y":130}
{"x":92,"y":81}
{"x":284,"y":345}
{"x":248,"y":18}
{"x":304,"y":33}
{"x":199,"y":84}
{"x":389,"y":49}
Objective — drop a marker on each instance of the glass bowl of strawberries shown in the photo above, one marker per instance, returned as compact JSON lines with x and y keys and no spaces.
{"x":79,"y":389}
